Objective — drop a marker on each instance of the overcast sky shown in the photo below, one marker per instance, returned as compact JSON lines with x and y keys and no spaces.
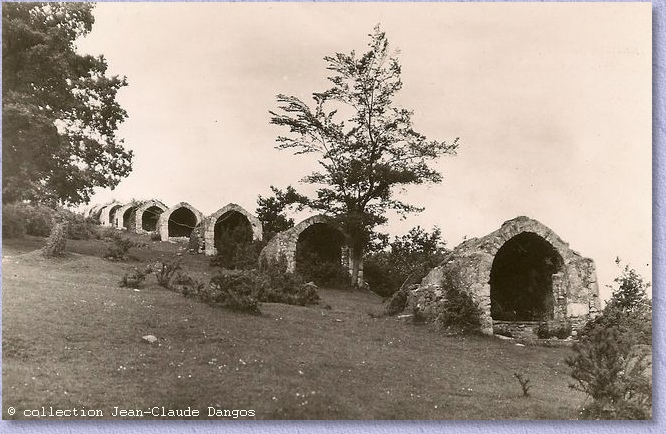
{"x":552,"y":103}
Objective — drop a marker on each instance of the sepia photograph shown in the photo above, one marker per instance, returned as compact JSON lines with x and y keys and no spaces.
{"x":327,"y":211}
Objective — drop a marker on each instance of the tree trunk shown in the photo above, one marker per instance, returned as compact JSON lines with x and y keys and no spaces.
{"x":356,"y":258}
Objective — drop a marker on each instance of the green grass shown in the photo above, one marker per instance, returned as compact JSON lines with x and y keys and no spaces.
{"x":72,"y":338}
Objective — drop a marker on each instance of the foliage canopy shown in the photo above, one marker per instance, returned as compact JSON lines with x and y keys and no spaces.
{"x":367,"y":145}
{"x":59,"y":108}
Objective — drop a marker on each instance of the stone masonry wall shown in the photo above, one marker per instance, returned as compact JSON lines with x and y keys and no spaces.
{"x":469,"y":265}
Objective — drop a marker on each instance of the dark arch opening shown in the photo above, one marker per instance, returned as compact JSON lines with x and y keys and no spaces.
{"x":150,"y":217}
{"x":231,"y":229}
{"x":521,"y":279}
{"x":129,"y":217}
{"x":112,"y":214}
{"x":181,"y":222}
{"x":319,"y":255}
{"x":96,"y":215}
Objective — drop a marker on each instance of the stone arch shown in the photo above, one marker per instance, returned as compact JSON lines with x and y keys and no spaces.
{"x":521,"y":279}
{"x":321,"y":252}
{"x":147,"y":216}
{"x":284,"y":244}
{"x":178,"y":221}
{"x":569,"y":277}
{"x":229,"y":211}
{"x":124,"y":217}
{"x":93,"y":212}
{"x":107,"y":214}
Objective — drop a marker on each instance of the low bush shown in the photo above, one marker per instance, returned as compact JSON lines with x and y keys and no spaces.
{"x":235,"y":290}
{"x":239,"y":256}
{"x":166,"y":271}
{"x":134,"y":279}
{"x":289,"y":289}
{"x":118,"y":246}
{"x":188,"y":286}
{"x":322,"y":272}
{"x":460,"y":313}
{"x":286,"y":287}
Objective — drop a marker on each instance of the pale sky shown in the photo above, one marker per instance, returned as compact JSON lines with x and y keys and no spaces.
{"x":552,"y":103}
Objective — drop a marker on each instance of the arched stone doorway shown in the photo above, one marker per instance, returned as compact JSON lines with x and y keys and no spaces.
{"x":521,"y":279}
{"x":520,"y":275}
{"x":125,"y":216}
{"x":230,"y":224}
{"x":319,"y":254}
{"x":286,"y":244}
{"x":108,"y":214}
{"x":147,"y":216}
{"x":178,"y":221}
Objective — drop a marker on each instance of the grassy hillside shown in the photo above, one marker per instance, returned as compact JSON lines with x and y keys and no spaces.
{"x":72,"y":338}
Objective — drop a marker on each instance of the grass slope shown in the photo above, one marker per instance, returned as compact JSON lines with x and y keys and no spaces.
{"x":72,"y":338}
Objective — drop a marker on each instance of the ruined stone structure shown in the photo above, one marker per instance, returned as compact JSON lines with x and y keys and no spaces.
{"x":285,"y":243}
{"x":125,"y":217}
{"x":522,"y":276}
{"x":229,"y":216}
{"x":108,"y":213}
{"x":178,"y":221}
{"x":147,"y":215}
{"x":93,"y":212}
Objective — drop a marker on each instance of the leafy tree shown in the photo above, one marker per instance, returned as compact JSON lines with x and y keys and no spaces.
{"x":631,"y":291}
{"x":368,"y":153}
{"x":59,"y":107}
{"x":271,"y":210}
{"x":408,"y":257}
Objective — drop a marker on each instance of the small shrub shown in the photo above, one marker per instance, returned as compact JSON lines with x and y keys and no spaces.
{"x":460,"y":313}
{"x":619,"y":384}
{"x":235,"y":290}
{"x":56,"y":243}
{"x":196,"y":242}
{"x":288,"y":291}
{"x":231,"y":241}
{"x":323,"y":272}
{"x":247,"y":255}
{"x":285,"y":287}
{"x":155,"y":236}
{"x":166,"y":271}
{"x":612,"y":360}
{"x":187,"y":285}
{"x":524,"y":383}
{"x":134,"y":279}
{"x":118,"y":249}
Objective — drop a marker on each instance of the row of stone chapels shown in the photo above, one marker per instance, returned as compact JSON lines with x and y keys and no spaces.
{"x":522,"y":275}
